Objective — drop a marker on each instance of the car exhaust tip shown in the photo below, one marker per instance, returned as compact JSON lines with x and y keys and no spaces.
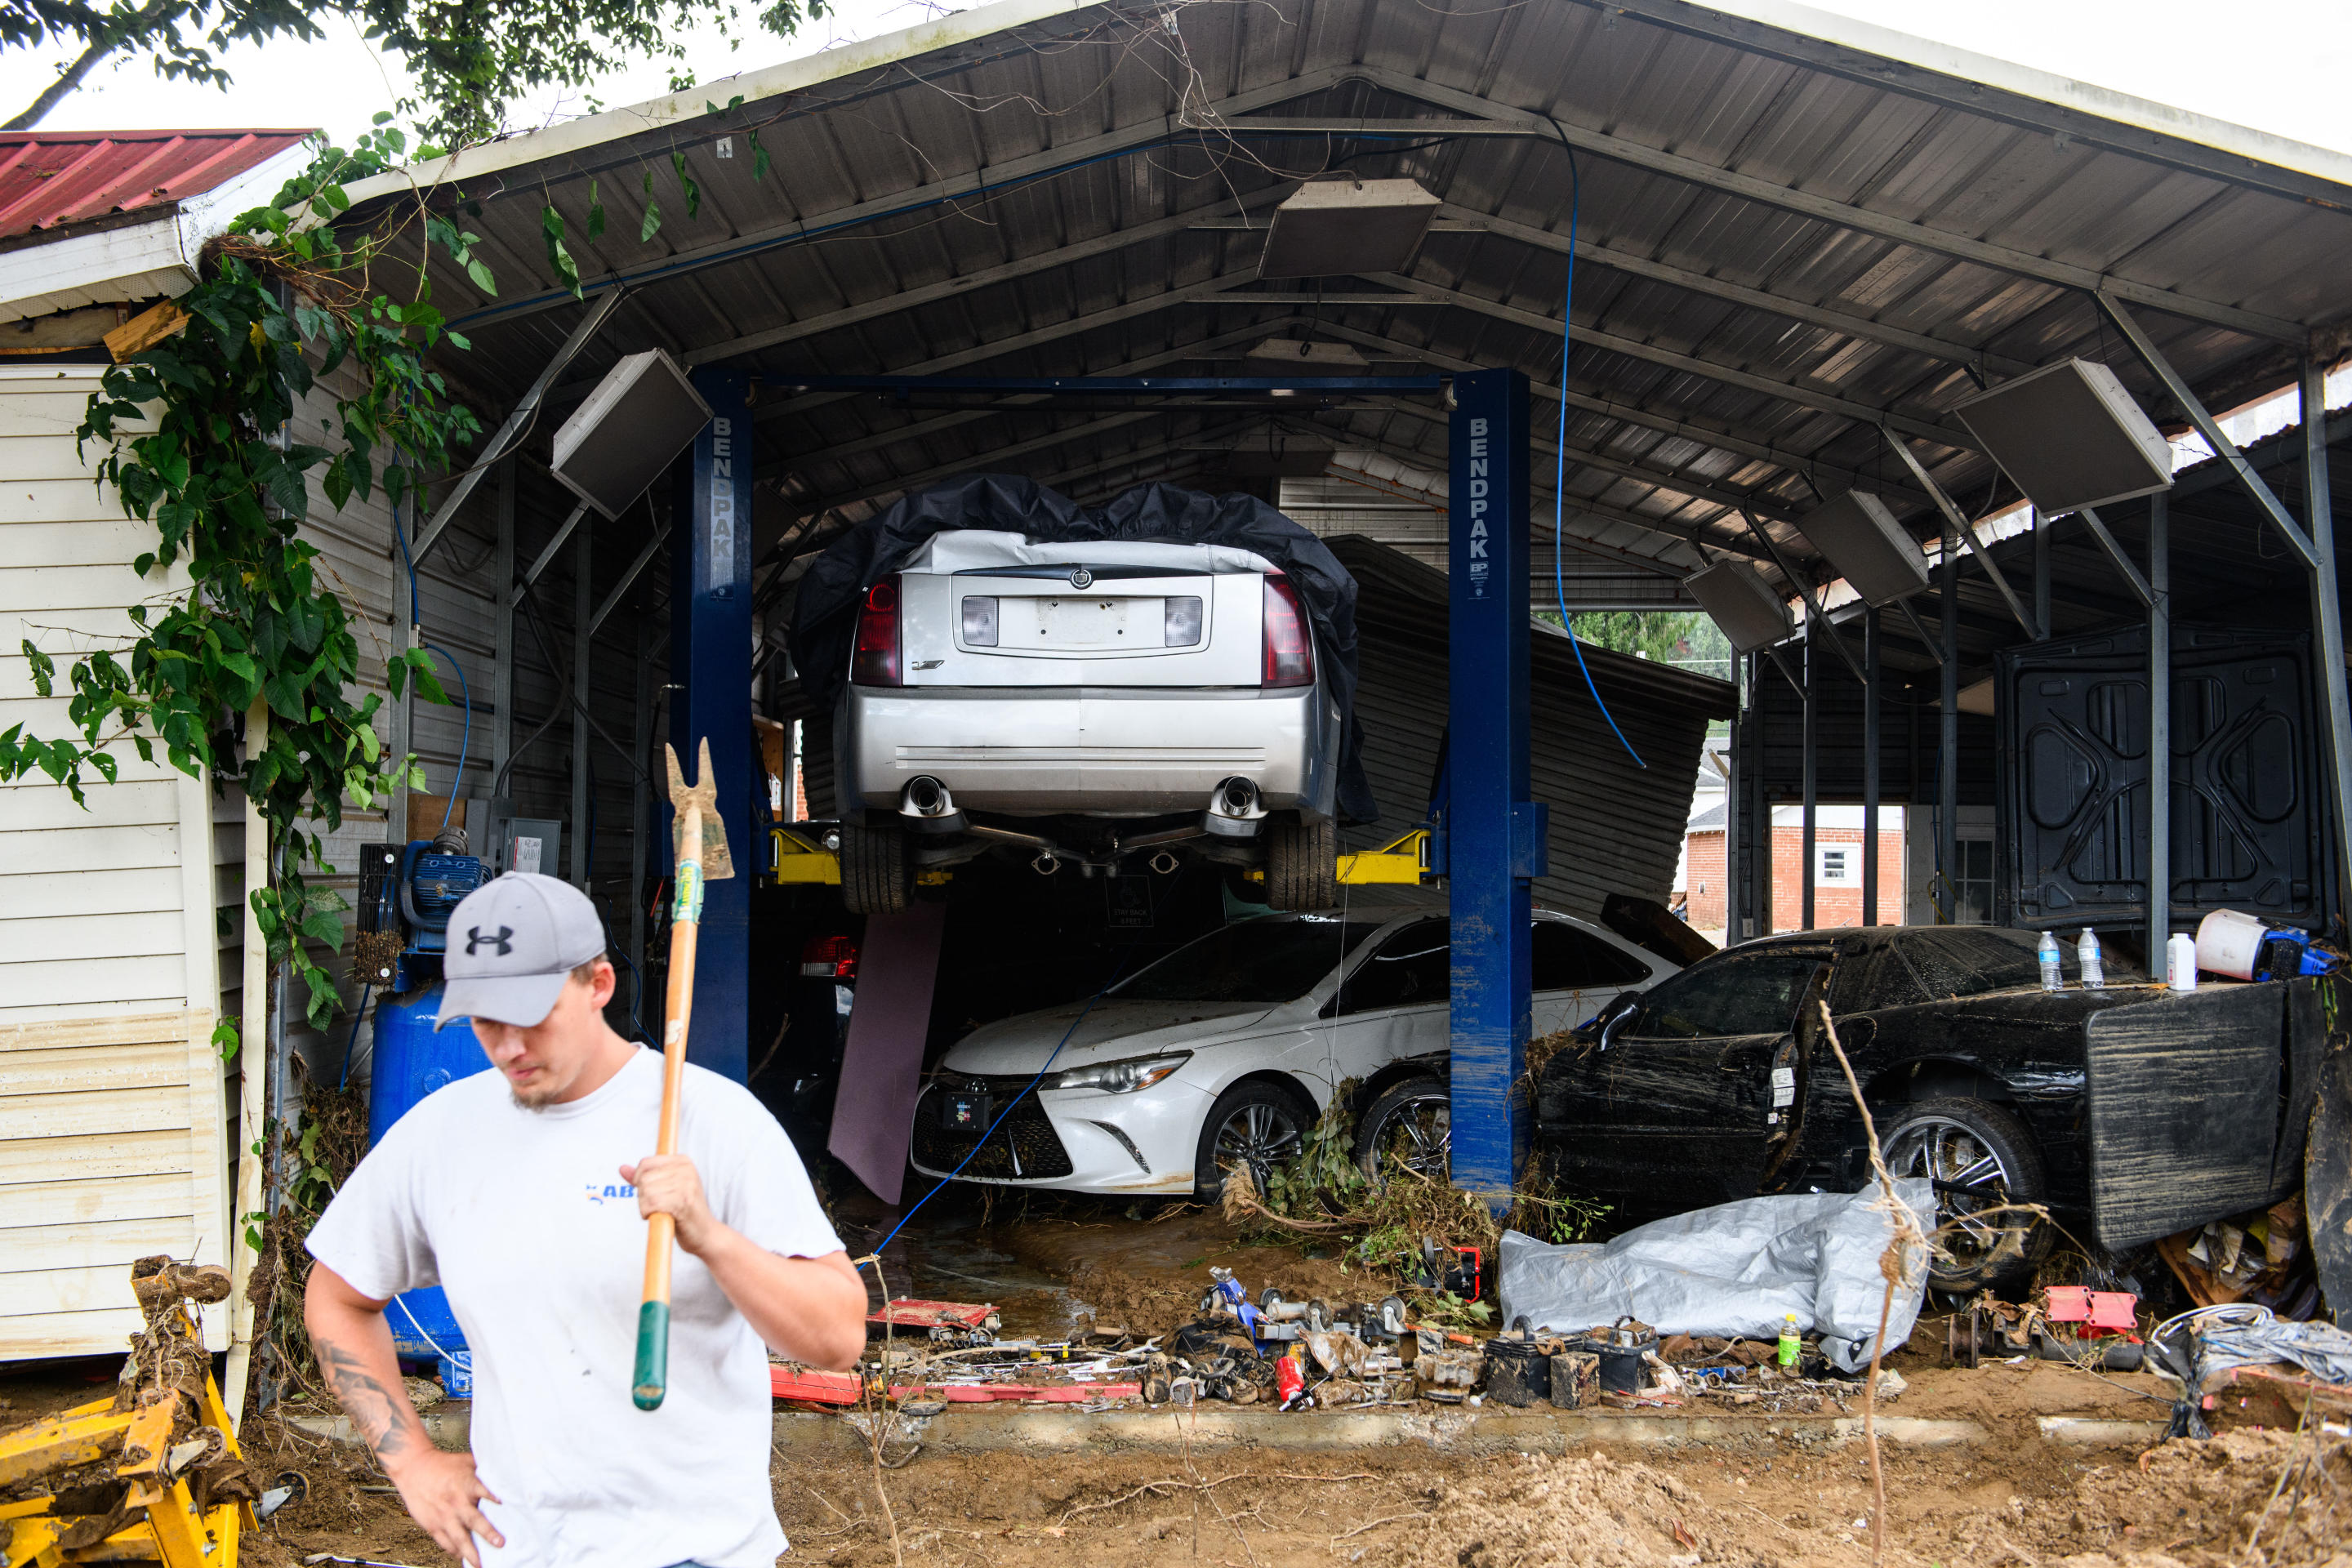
{"x":929,"y":806}
{"x":925,"y":796}
{"x":1164,"y":862}
{"x":1235,"y":809}
{"x":1046,"y":863}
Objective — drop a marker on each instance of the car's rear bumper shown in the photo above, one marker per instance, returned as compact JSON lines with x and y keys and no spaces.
{"x":1090,"y":750}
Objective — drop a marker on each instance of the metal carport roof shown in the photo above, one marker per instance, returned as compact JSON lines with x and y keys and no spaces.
{"x":1798,"y":240}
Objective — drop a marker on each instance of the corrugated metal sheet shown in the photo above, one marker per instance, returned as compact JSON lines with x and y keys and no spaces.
{"x":1615,"y":827}
{"x":55,"y":179}
{"x":1783,"y":248}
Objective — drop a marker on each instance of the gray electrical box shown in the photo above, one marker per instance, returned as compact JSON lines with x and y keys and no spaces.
{"x":1741,"y":603}
{"x":1869,"y":548}
{"x":532,"y":844}
{"x":616,"y":443}
{"x":2071,"y":437}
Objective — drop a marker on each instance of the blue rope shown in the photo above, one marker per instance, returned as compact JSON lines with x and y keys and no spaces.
{"x":465,"y":738}
{"x":1010,"y":1106}
{"x":1559,"y":469}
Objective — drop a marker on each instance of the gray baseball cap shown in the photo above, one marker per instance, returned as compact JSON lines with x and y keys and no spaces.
{"x":513,"y":943}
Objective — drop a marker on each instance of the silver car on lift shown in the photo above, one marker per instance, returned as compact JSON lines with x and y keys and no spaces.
{"x":1088,"y":704}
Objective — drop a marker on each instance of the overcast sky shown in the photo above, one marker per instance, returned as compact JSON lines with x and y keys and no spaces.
{"x":2277,"y":65}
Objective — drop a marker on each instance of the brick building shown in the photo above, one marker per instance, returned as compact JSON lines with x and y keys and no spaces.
{"x":1837,"y":854}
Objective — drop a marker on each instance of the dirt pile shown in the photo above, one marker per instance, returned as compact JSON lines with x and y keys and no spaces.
{"x":1593,"y":1512}
{"x":2276,"y":1499}
{"x":2267,"y":1499}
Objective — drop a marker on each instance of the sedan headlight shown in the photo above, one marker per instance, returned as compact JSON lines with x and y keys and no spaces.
{"x":1121,"y":1076}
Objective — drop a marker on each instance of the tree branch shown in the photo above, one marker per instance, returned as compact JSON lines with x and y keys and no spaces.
{"x":67,"y":79}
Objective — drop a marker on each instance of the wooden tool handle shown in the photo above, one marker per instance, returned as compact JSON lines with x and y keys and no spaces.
{"x":652,"y":1380}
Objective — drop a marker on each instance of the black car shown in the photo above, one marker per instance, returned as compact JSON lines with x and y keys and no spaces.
{"x":2128,"y":1112}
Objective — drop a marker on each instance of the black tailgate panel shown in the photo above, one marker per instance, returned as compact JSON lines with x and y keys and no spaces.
{"x":2184,"y":1108}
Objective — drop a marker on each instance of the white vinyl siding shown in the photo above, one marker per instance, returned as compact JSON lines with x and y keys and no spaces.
{"x":113,"y":1139}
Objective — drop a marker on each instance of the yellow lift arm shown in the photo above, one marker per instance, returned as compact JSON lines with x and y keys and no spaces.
{"x":800,"y":858}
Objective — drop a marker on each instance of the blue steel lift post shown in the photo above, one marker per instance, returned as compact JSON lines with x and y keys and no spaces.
{"x":710,"y":641}
{"x":1495,"y":835}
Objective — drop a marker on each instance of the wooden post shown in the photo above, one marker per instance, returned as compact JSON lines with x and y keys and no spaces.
{"x":253,"y":1083}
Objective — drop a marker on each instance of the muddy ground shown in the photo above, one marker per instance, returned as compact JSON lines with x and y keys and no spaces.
{"x":2249,"y":1499}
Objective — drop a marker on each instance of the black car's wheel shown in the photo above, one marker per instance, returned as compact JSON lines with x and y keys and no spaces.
{"x":1257,"y":1124}
{"x":1981,"y":1158}
{"x":1302,"y":866}
{"x":874,"y":880}
{"x":1410,"y":1124}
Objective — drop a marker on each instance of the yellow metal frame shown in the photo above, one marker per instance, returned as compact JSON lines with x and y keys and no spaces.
{"x":798,"y":859}
{"x":171,"y":1531}
{"x":1401,"y":863}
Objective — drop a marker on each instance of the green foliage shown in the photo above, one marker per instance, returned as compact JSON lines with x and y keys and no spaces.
{"x":472,"y":59}
{"x":1683,"y":638}
{"x":191,"y":432}
{"x":1381,"y":1225}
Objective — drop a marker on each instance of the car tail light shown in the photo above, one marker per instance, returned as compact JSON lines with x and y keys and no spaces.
{"x":1289,"y":650}
{"x":829,"y":958}
{"x":875,"y":660}
{"x":979,"y":622}
{"x":1180,"y":626}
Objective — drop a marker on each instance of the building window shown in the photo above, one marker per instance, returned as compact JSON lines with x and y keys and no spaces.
{"x":1972,"y":884}
{"x":1837,"y":865}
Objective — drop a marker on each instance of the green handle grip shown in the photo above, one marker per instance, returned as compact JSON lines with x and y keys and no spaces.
{"x":652,"y":1355}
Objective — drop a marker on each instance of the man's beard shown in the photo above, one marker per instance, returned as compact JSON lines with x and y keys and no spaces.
{"x":538,"y":1100}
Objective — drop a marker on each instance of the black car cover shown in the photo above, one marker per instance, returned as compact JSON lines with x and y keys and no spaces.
{"x":824,"y":619}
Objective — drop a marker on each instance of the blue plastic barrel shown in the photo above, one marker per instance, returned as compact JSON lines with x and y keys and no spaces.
{"x":410,"y":1062}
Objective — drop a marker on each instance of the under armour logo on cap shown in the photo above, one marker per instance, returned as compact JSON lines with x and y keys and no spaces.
{"x":513,"y":944}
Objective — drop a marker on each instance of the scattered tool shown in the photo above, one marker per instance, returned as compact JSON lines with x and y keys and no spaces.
{"x":954,"y":1324}
{"x":701,"y":856}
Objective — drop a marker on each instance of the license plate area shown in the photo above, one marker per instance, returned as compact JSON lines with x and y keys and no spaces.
{"x":1083,"y":623}
{"x":966,"y":1112}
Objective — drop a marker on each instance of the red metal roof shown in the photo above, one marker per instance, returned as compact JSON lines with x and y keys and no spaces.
{"x":50,"y":178}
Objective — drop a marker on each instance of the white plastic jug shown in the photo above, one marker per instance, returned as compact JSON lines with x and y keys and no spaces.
{"x":2228,"y":944}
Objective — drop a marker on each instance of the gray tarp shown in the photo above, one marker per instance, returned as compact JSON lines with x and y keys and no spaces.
{"x":1732,"y":1270}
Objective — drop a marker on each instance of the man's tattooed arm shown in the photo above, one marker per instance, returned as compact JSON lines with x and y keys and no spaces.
{"x":383,"y":1416}
{"x":440,"y":1489}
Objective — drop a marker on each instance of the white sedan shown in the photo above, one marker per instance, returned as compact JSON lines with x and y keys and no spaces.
{"x":1226,"y":1051}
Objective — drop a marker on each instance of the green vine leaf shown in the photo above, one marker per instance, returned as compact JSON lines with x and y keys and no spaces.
{"x":759,"y":156}
{"x":567,"y":271}
{"x":595,"y":215}
{"x":185,"y":434}
{"x":693,"y":191}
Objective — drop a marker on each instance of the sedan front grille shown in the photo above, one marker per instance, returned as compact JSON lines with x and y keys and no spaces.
{"x":1023,"y":1147}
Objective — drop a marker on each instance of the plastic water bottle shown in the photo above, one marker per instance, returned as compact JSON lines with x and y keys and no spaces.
{"x":2087,"y":959}
{"x":2181,"y":962}
{"x":2053,"y":972}
{"x":1792,"y":1344}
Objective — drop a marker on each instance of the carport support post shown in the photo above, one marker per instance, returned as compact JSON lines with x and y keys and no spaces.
{"x":710,"y":660}
{"x":584,"y":605}
{"x":1494,"y":837}
{"x":2040,"y":575}
{"x":2327,"y":613}
{"x":1811,"y":813}
{"x":1948,"y":752}
{"x":2160,"y":733}
{"x":1869,"y":767}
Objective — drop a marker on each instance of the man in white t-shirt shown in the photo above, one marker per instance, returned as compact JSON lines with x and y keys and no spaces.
{"x":525,"y":1193}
